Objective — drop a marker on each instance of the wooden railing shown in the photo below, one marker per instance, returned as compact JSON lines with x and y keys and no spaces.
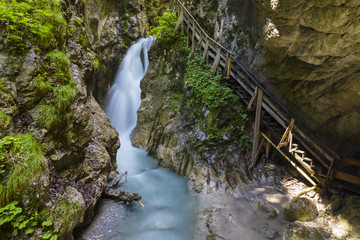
{"x":302,"y":145}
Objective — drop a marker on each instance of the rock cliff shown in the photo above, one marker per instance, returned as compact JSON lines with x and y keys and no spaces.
{"x":305,"y":52}
{"x":51,"y":86}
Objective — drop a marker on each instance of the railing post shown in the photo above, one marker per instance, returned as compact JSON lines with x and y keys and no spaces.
{"x":206,"y":52}
{"x":187,"y":33}
{"x":181,"y":19}
{"x":227,"y":70}
{"x":257,"y":123}
{"x":216,"y":60}
{"x":193,"y":38}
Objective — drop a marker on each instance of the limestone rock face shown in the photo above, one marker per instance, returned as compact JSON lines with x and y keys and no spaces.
{"x":112,"y":26}
{"x":306,"y":53}
{"x":300,"y":209}
{"x":173,"y":136}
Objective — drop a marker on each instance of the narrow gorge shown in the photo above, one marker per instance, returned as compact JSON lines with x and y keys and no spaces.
{"x":70,"y":73}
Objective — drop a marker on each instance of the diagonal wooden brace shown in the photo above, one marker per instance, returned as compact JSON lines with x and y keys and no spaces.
{"x":287,"y":131}
{"x":252,"y":100}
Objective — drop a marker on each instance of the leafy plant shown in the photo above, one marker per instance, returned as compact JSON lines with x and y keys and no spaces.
{"x":63,"y":98}
{"x":5,"y":120}
{"x":26,"y":223}
{"x":175,"y":102}
{"x":166,"y":29}
{"x":28,"y":19}
{"x":42,"y":86}
{"x":217,"y":110}
{"x":22,"y":159}
{"x":49,"y":117}
{"x":61,"y":64}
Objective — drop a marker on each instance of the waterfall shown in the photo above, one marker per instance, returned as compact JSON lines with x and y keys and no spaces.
{"x":123,"y":99}
{"x":170,"y":208}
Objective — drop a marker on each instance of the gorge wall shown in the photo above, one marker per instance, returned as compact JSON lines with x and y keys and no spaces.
{"x":52,"y":79}
{"x":306,"y":53}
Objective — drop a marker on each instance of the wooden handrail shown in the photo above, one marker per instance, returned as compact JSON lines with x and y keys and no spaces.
{"x":223,"y":57}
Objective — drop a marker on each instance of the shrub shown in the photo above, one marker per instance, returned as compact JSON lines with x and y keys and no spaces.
{"x":166,"y":29}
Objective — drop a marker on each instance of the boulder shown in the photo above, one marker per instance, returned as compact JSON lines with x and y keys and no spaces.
{"x":300,"y":209}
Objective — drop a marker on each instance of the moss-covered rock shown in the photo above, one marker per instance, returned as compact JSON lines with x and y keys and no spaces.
{"x":300,"y":209}
{"x":297,"y":231}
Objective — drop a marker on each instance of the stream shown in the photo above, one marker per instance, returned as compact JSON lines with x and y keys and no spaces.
{"x":173,"y":212}
{"x":170,"y":207}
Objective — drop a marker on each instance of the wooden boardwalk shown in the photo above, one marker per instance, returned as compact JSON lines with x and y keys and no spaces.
{"x":274,"y":124}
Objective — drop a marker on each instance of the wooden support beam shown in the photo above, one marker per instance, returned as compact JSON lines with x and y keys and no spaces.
{"x":347,"y":177}
{"x":205,"y":55}
{"x":257,"y":123}
{"x":181,"y":19}
{"x":227,"y":69}
{"x":253,"y":163}
{"x":253,"y":97}
{"x":187,"y":34}
{"x":200,"y":41}
{"x":289,"y":160}
{"x":193,"y":38}
{"x":330,"y":174}
{"x":216,"y":61}
{"x":268,"y":145}
{"x":350,"y":162}
{"x":287,"y":131}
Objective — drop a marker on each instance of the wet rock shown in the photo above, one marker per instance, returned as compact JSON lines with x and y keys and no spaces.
{"x":297,"y":231}
{"x":336,"y":203}
{"x":267,"y":209}
{"x":300,"y":209}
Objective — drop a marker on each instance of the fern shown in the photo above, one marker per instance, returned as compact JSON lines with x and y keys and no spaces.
{"x":22,"y":157}
{"x":5,"y":120}
{"x":49,"y":117}
{"x":61,"y":64}
{"x":64,"y":96}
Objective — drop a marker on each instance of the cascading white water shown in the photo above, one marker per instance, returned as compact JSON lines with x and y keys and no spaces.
{"x":124,"y":96}
{"x":170,"y":208}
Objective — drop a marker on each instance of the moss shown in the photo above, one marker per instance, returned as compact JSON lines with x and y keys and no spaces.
{"x":5,"y":120}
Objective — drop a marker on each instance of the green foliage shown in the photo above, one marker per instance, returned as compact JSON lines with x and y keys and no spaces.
{"x":21,"y":159}
{"x":166,"y":29}
{"x":27,"y":223}
{"x":28,"y":19}
{"x":49,"y":117}
{"x":3,"y":88}
{"x":209,"y":90}
{"x":175,"y":102}
{"x":42,"y":85}
{"x":5,"y":120}
{"x":95,"y":63}
{"x":222,"y":112}
{"x":64,"y":96}
{"x":63,"y":214}
{"x":61,"y":65}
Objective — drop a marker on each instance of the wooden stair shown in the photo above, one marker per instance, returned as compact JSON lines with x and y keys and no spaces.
{"x":296,"y":142}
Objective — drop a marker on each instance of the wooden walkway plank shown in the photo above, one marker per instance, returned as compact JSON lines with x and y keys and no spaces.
{"x":219,"y":56}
